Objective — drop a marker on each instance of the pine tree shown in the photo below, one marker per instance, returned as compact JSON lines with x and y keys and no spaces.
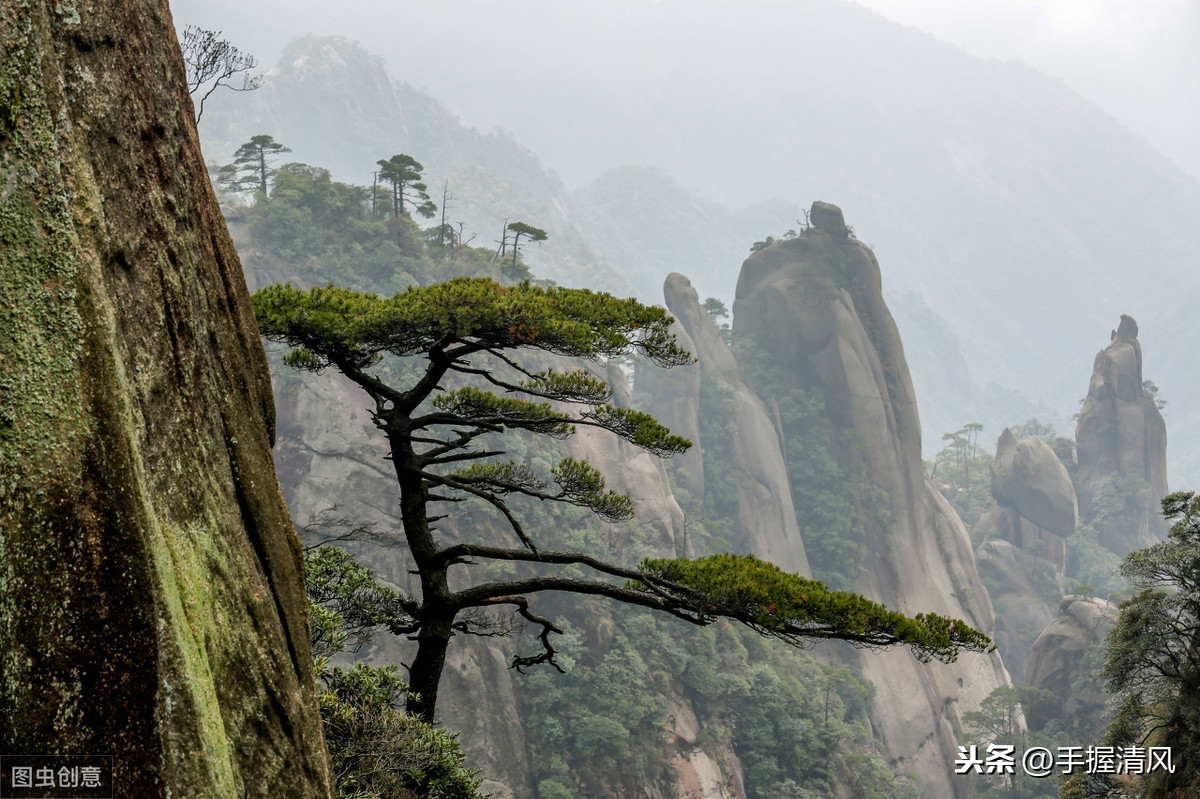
{"x":446,"y":444}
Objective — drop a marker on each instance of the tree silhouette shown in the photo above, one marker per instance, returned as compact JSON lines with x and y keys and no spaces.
{"x":469,"y":349}
{"x":212,"y":62}
{"x":251,"y":169}
{"x":404,"y":173}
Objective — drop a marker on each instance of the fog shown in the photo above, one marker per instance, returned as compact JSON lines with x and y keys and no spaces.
{"x":1140,"y":62}
{"x":1025,"y":171}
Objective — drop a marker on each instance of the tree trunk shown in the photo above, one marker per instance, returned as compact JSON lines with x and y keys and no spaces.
{"x":442,"y":229}
{"x":262,"y":173}
{"x":436,"y":615}
{"x":426,"y":670}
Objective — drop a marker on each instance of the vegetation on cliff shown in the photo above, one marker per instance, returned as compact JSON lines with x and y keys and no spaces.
{"x":376,"y":750}
{"x":552,"y":708}
{"x":1152,"y":661}
{"x":435,"y":431}
{"x":151,"y":592}
{"x":828,"y":487}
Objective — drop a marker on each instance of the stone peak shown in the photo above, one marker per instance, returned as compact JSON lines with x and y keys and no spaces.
{"x":828,"y":217}
{"x":1127,"y":330}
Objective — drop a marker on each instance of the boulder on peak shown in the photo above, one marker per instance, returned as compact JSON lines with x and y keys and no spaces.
{"x":828,"y":217}
{"x":1028,"y":477}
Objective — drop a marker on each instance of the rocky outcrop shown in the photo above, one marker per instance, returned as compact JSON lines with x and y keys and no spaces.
{"x":673,"y":397}
{"x":1121,"y":445}
{"x":1029,"y":478}
{"x":152,"y":602}
{"x":1024,"y":589}
{"x":1071,"y":647}
{"x":479,"y":699}
{"x":1023,"y":550}
{"x":766,"y":518}
{"x":814,"y":306}
{"x":697,"y":772}
{"x":635,"y":473}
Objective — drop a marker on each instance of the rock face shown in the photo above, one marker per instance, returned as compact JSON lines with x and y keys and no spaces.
{"x":814,"y":306}
{"x":1121,"y":444}
{"x":765,"y":515}
{"x":673,"y":397}
{"x":1072,"y":645}
{"x":1023,"y":553}
{"x":1029,"y":478}
{"x":152,"y":600}
{"x":1025,"y":590}
{"x":635,"y":473}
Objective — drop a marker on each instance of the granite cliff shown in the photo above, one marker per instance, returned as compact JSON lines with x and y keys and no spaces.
{"x":1065,"y":665}
{"x":813,"y":305}
{"x":152,"y":602}
{"x":1121,"y":443}
{"x":752,"y":453}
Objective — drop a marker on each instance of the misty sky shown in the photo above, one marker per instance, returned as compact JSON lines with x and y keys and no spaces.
{"x":592,"y":85}
{"x":1139,"y":61}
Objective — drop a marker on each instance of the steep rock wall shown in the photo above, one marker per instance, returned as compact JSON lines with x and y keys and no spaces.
{"x":697,"y":773}
{"x":765,"y":515}
{"x":1024,"y":589}
{"x":1121,"y":445}
{"x":151,"y":592}
{"x":814,"y":305}
{"x":673,"y":397}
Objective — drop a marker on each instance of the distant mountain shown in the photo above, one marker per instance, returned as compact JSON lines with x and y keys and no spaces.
{"x":647,"y":226}
{"x":337,"y":107}
{"x":1012,"y":219}
{"x":650,"y":226}
{"x":1019,"y":212}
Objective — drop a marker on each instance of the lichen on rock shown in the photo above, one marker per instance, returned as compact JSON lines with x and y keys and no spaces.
{"x":151,"y":597}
